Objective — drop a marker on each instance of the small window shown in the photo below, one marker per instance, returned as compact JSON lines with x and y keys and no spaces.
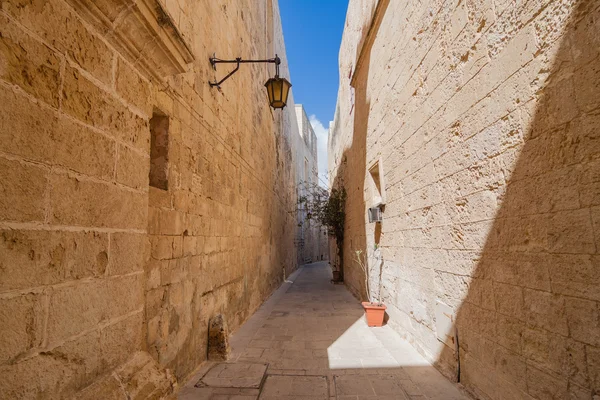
{"x":159,"y":150}
{"x":377,"y":184}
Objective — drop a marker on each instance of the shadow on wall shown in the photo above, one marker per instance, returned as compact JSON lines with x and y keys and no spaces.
{"x":352,"y":171}
{"x":530,"y":323}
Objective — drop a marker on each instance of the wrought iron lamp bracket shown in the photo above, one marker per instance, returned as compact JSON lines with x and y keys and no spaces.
{"x":214,"y":61}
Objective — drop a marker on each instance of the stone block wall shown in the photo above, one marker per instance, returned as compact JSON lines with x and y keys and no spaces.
{"x":105,"y":281}
{"x":484,"y":116}
{"x":309,"y":231}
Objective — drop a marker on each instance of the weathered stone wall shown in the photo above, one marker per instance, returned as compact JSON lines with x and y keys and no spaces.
{"x":310,"y":246}
{"x":484,"y":116}
{"x":97,"y":268}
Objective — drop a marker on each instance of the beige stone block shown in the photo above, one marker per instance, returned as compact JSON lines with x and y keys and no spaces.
{"x":155,"y":298}
{"x":86,"y":102}
{"x":176,"y":293}
{"x":29,"y":64}
{"x":450,"y":289}
{"x":510,"y":367}
{"x":555,"y":110}
{"x":579,"y":392}
{"x":36,"y":258}
{"x":595,"y":211}
{"x":77,"y":308}
{"x":550,"y":192}
{"x":173,"y":271}
{"x":81,"y":359}
{"x":575,"y":275}
{"x":477,"y":376}
{"x":522,"y":269}
{"x":211,"y":245}
{"x":539,"y":305}
{"x":133,"y":88}
{"x":480,"y":320}
{"x":590,"y":184}
{"x":181,"y":200}
{"x":471,"y":236}
{"x":129,"y":252}
{"x":170,"y":222}
{"x":60,"y":26}
{"x":571,"y":232}
{"x":38,"y":134}
{"x":189,"y":246}
{"x":577,"y":145}
{"x":120,"y":340}
{"x":22,"y":191}
{"x":152,"y":332}
{"x":162,"y":247}
{"x":49,"y":373}
{"x":572,"y":356}
{"x":153,"y":221}
{"x":510,"y":332}
{"x":195,"y":265}
{"x":153,"y":275}
{"x":583,"y":319}
{"x":509,"y":300}
{"x":81,"y":202}
{"x":587,"y":81}
{"x":481,"y":293}
{"x":159,"y":198}
{"x":541,"y":384}
{"x":57,"y":372}
{"x":143,"y":378}
{"x":164,"y":102}
{"x":535,"y":345}
{"x":524,"y":234}
{"x":551,"y":352}
{"x":593,"y":366}
{"x":106,"y":387}
{"x":178,"y":246}
{"x":21,"y":325}
{"x":132,"y":168}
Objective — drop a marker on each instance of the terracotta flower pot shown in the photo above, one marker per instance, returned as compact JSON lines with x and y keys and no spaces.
{"x":374,"y":313}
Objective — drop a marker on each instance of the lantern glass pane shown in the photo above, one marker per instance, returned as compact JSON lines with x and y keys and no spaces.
{"x":277,"y":87}
{"x":269,"y":87}
{"x":285,"y":90}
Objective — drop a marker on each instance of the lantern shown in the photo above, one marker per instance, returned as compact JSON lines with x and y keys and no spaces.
{"x":278,"y":90}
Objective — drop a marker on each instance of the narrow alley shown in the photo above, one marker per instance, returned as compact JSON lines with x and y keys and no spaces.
{"x":310,"y":340}
{"x":209,"y":199}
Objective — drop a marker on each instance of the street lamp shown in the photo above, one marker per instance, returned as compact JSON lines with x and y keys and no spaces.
{"x":278,"y":88}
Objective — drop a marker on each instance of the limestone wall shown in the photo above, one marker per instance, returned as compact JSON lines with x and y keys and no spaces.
{"x":106,"y":281}
{"x":484,"y":118}
{"x":310,"y":246}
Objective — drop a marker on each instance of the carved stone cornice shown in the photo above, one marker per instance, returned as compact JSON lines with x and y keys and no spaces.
{"x":142,"y":31}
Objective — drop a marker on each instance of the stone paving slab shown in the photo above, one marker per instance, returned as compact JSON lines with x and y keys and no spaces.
{"x":369,"y":386}
{"x":315,"y":340}
{"x":289,"y":387}
{"x":234,"y":375}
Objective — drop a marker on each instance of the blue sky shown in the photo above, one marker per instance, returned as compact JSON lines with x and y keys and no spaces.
{"x":313,"y":32}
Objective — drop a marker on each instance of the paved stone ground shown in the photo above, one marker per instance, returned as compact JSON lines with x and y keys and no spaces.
{"x":315,"y":341}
